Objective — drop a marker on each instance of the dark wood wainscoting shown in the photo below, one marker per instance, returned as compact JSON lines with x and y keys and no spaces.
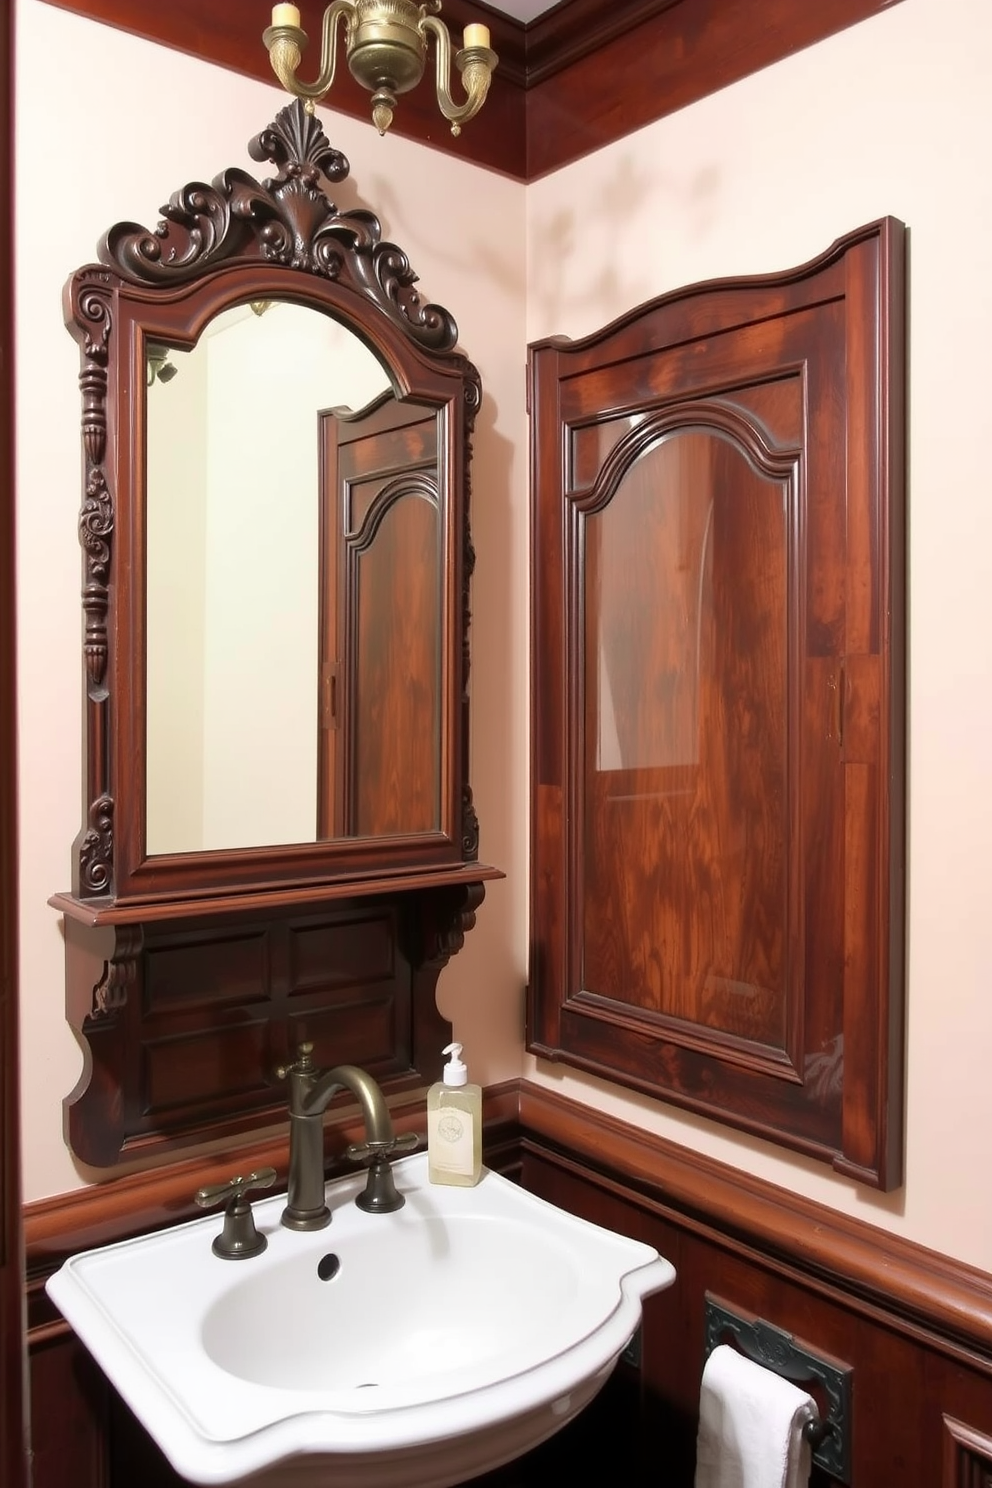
{"x":915,"y":1326}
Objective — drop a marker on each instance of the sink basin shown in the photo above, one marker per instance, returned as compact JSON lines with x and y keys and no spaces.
{"x":405,"y":1350}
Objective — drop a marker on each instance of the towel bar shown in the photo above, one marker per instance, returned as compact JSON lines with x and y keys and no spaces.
{"x":829,"y":1436}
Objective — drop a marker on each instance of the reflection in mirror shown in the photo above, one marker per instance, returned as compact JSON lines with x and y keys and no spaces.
{"x":262,"y":605}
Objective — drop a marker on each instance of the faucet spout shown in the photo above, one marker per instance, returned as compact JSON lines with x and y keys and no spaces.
{"x":310,"y":1092}
{"x":378,"y":1122}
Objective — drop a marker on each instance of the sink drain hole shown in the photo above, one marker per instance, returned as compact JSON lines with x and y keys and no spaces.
{"x":368,"y":1385}
{"x":328,"y":1266}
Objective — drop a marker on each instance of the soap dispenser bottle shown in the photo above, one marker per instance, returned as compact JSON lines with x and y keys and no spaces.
{"x":454,"y":1125}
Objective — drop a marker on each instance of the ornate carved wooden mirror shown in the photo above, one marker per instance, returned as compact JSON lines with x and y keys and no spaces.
{"x":276,"y":558}
{"x":275,"y":431}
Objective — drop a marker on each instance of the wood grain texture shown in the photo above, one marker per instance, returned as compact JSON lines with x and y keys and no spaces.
{"x":686,"y":769}
{"x":186,"y":1021}
{"x":660,"y":62}
{"x":718,"y":916}
{"x":390,"y":587}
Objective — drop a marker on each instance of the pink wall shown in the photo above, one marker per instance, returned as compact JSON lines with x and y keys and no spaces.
{"x":463,"y":230}
{"x":891,"y":117}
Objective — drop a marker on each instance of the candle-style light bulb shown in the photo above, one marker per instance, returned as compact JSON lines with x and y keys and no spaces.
{"x":285,"y":15}
{"x":475,"y":35}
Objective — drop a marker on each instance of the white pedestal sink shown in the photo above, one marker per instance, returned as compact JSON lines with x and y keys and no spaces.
{"x":405,"y":1350}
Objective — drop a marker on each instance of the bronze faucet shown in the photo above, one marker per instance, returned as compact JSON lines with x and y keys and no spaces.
{"x":310,"y":1091}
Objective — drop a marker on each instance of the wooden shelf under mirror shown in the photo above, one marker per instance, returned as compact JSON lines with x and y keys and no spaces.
{"x":279,"y":840}
{"x":719,"y":702}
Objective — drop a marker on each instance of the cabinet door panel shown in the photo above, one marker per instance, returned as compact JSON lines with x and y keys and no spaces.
{"x":718,"y":702}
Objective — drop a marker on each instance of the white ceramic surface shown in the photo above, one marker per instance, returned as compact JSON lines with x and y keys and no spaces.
{"x":453,"y":1334}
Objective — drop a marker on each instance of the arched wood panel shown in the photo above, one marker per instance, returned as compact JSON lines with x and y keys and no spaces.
{"x":718,"y":702}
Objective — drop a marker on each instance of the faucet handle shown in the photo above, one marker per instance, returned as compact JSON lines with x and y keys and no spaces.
{"x":239,"y":1238}
{"x":302,"y":1065}
{"x":379,"y":1195}
{"x":360,"y":1152}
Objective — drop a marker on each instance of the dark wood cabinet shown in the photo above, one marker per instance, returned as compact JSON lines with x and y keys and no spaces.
{"x":718,"y":702}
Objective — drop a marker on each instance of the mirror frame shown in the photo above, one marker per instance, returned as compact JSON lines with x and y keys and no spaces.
{"x":218,"y":245}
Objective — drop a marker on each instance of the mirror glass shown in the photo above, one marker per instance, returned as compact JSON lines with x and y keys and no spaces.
{"x":288,"y":684}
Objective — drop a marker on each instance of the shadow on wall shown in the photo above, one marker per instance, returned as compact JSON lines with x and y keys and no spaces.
{"x":481,"y":991}
{"x":568,"y":239}
{"x":503,"y":271}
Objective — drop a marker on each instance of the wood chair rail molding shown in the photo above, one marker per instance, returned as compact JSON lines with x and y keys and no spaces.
{"x":572,"y":81}
{"x":879,"y":1274}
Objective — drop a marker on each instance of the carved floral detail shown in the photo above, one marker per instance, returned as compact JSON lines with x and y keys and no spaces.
{"x":96,"y":850}
{"x":288,"y":220}
{"x":96,"y":526}
{"x":470,"y":826}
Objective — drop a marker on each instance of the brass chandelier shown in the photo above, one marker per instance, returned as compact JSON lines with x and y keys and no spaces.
{"x":386,"y":48}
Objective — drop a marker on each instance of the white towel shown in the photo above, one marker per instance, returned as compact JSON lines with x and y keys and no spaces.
{"x":750,"y":1426}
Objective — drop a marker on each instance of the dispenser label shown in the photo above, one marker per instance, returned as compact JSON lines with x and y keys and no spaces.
{"x":449,"y":1134}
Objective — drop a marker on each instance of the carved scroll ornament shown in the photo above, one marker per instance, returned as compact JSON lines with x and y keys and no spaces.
{"x":287,"y":220}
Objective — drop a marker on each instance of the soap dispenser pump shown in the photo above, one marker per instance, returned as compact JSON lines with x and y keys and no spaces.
{"x":454,"y":1125}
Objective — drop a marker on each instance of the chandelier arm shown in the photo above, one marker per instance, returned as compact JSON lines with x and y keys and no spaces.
{"x":284,"y":64}
{"x":476,"y":66}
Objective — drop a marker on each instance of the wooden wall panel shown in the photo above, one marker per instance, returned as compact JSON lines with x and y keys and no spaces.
{"x":907,"y":1380}
{"x":717,"y":694}
{"x":967,"y":1456}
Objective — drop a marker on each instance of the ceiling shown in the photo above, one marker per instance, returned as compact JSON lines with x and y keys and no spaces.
{"x":522,"y":10}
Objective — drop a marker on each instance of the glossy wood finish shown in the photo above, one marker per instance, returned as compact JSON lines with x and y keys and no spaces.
{"x":906,"y":1381}
{"x":577,"y":78}
{"x":387,"y":623}
{"x":915,"y":1326}
{"x":13,"y":1432}
{"x":192,"y":975}
{"x":244,"y":240}
{"x":919,"y":1290}
{"x":718,"y":702}
{"x":186,"y":1020}
{"x":677,"y":54}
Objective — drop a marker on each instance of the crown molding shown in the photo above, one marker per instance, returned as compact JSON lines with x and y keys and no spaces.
{"x":579,"y":77}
